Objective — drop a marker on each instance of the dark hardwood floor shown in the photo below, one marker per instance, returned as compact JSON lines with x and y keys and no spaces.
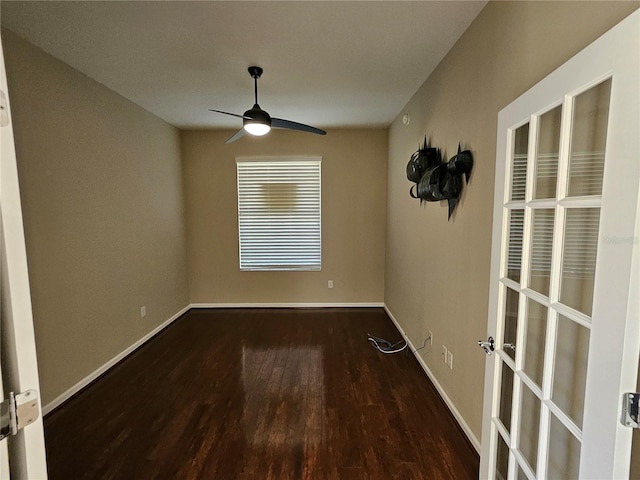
{"x":261,"y":394}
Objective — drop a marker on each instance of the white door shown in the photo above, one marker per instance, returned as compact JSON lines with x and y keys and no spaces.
{"x":563,"y":306}
{"x":23,"y":454}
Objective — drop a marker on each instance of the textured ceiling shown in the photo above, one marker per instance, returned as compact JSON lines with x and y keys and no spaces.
{"x":328,"y":64}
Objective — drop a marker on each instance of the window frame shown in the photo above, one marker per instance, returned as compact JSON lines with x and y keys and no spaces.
{"x":310,"y":259}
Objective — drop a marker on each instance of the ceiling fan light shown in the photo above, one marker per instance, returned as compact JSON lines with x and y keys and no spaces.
{"x":256,"y":128}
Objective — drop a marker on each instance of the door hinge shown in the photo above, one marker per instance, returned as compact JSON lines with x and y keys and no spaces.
{"x":630,"y":410}
{"x":18,"y":411}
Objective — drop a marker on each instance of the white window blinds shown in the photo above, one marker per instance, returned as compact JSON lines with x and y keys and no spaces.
{"x":279,"y":214}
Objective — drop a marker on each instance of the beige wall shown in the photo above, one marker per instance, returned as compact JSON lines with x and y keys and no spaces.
{"x":353,"y":218}
{"x":102,"y":200}
{"x":437,"y":272}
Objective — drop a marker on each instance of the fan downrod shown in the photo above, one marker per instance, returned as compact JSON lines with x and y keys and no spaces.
{"x":255,"y":72}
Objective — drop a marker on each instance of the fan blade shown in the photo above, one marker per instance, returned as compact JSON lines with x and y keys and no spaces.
{"x":227,"y":113}
{"x":280,"y":123}
{"x":239,"y":134}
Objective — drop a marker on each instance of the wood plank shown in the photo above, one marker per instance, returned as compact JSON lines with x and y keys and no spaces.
{"x":261,"y":394}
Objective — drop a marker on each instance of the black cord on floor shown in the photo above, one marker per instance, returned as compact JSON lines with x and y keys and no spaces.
{"x":385,"y":346}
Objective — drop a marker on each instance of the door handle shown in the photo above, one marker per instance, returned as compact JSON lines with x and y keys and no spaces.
{"x":488,"y":346}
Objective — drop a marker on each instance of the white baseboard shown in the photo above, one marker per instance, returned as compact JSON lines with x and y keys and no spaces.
{"x":459,"y":418}
{"x":91,"y":377}
{"x":287,"y":305}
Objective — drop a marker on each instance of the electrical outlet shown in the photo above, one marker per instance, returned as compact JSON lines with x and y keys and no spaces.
{"x":143,"y":311}
{"x":430,"y":338}
{"x":444,"y":354}
{"x":450,"y":359}
{"x":330,"y":284}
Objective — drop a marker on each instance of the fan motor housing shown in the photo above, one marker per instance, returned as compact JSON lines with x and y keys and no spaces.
{"x":257,"y":115}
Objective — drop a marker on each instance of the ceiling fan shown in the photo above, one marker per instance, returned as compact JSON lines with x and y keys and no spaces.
{"x":256,"y":121}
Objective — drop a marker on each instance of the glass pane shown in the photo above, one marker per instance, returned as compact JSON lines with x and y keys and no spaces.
{"x":542,"y":240}
{"x":514,"y":260}
{"x":564,"y":452}
{"x":506,"y":394}
{"x":529,"y":426}
{"x":510,"y":321}
{"x":579,"y":258}
{"x":570,"y":368}
{"x":521,"y":474}
{"x":535,"y":341}
{"x":519,"y":166}
{"x":588,"y":140}
{"x":502,"y":460}
{"x":547,"y":157}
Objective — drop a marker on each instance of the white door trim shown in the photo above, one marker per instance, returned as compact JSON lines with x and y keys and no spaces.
{"x":19,"y":363}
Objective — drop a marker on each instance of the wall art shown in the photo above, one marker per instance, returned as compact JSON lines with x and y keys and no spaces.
{"x":435,"y":180}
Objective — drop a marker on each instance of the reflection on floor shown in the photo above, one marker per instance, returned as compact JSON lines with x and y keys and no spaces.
{"x":273,"y":378}
{"x":256,"y":394}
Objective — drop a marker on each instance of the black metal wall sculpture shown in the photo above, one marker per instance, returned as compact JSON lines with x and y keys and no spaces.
{"x":436,"y":180}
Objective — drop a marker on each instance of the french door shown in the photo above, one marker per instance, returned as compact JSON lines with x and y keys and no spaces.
{"x":564,"y":297}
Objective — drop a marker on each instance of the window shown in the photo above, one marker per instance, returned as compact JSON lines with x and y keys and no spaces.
{"x":279,"y":213}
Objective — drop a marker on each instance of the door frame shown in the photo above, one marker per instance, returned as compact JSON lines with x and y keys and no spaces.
{"x":19,"y":367}
{"x":605,"y":453}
